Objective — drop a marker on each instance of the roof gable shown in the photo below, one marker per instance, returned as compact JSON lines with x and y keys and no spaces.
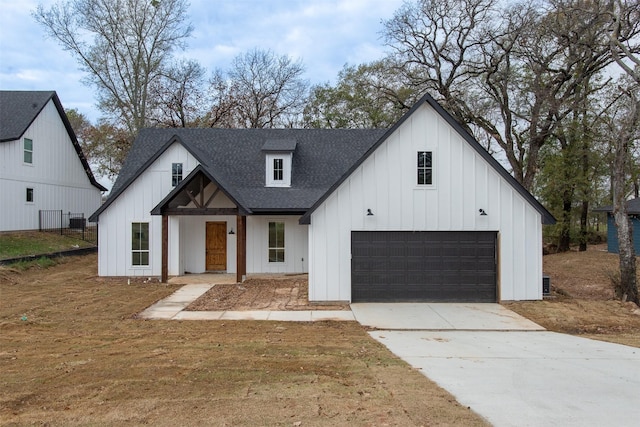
{"x":188,"y":182}
{"x":234,"y":158}
{"x":19,"y":109}
{"x":547,"y":217}
{"x":137,"y":162}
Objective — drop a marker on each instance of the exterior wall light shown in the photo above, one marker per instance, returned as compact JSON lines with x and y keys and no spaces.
{"x":369,"y":213}
{"x":482,"y":212}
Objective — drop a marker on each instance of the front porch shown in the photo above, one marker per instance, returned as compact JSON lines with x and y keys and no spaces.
{"x":205,"y":230}
{"x":200,"y":198}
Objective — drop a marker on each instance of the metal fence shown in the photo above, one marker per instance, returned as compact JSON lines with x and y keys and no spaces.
{"x":68,"y":224}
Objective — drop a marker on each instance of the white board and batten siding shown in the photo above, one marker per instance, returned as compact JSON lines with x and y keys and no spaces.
{"x":464,"y":183}
{"x":187,"y":234}
{"x":56,"y":175}
{"x":134,"y":205}
{"x":296,"y":245}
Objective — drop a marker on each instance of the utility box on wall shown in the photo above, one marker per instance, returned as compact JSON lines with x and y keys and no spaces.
{"x":546,"y":285}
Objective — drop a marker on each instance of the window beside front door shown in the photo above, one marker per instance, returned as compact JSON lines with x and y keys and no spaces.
{"x":140,"y":243}
{"x":276,"y":241}
{"x":425,"y":168}
{"x":176,"y":174}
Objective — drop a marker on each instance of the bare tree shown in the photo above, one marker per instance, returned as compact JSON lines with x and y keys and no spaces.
{"x":437,"y":45}
{"x":261,"y":90}
{"x":179,"y":95}
{"x":626,"y":133}
{"x":512,"y":73}
{"x":122,"y":45}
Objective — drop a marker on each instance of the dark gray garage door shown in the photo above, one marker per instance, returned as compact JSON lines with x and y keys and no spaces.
{"x":426,"y":266}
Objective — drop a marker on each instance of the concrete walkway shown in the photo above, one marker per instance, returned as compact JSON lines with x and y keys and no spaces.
{"x":172,"y":308}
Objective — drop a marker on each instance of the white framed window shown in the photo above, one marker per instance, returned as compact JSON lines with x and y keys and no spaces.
{"x":278,"y":170}
{"x":276,"y":241}
{"x":139,"y":243}
{"x":425,"y":168}
{"x":29,"y":198}
{"x":176,"y":174}
{"x":28,"y":151}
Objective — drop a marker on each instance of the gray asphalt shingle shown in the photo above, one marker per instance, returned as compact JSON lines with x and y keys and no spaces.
{"x":18,"y":109}
{"x":236,"y":157}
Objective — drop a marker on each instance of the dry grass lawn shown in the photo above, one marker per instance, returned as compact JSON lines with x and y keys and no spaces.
{"x":582,"y":301}
{"x":73,"y":353}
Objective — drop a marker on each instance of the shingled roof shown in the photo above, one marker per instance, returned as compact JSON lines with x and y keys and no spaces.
{"x":322,"y":160}
{"x":235,"y":158}
{"x":633,"y":207}
{"x":18,"y":109}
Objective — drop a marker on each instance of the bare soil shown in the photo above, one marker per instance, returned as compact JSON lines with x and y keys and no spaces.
{"x":73,"y":353}
{"x":582,"y":301}
{"x":263,"y":293}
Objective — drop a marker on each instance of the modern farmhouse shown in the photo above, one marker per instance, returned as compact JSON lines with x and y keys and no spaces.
{"x":42,"y":166}
{"x":418,"y":212}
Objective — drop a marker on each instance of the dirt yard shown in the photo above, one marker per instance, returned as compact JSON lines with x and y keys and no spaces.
{"x":263,"y":293}
{"x":582,"y":300}
{"x":72,"y":353}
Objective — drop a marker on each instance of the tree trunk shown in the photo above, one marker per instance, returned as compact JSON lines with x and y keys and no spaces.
{"x":628,"y":287}
{"x":564,"y":241}
{"x":584,"y":235}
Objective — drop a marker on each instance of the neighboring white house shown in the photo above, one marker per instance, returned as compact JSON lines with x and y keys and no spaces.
{"x":419,"y":212}
{"x":41,"y":163}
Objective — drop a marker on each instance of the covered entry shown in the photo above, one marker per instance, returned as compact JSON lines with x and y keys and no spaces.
{"x":423,"y":266}
{"x":216,"y":246}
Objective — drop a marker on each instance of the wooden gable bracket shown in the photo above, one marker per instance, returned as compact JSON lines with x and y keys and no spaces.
{"x":193,"y":199}
{"x":201,"y":204}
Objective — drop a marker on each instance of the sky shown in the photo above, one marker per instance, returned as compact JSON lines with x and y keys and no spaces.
{"x":324,"y":34}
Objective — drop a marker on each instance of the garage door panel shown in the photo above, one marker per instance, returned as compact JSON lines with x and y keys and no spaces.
{"x":424,"y":266}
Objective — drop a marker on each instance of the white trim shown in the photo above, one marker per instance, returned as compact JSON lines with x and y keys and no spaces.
{"x":434,"y":170}
{"x":286,"y":169}
{"x":284,"y":247}
{"x":150,"y":233}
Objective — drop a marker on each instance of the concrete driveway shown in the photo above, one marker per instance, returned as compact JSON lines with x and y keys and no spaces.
{"x":520,"y":378}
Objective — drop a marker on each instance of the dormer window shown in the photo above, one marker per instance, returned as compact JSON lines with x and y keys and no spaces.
{"x":278,"y":169}
{"x":279,"y":158}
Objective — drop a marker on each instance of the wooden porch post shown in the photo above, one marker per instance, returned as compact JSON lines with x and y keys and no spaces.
{"x":165,"y":248}
{"x":241,"y":248}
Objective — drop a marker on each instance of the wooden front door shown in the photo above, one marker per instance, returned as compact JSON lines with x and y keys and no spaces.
{"x":216,"y":251}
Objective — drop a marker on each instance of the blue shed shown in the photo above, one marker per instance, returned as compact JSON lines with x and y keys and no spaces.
{"x":633,"y":210}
